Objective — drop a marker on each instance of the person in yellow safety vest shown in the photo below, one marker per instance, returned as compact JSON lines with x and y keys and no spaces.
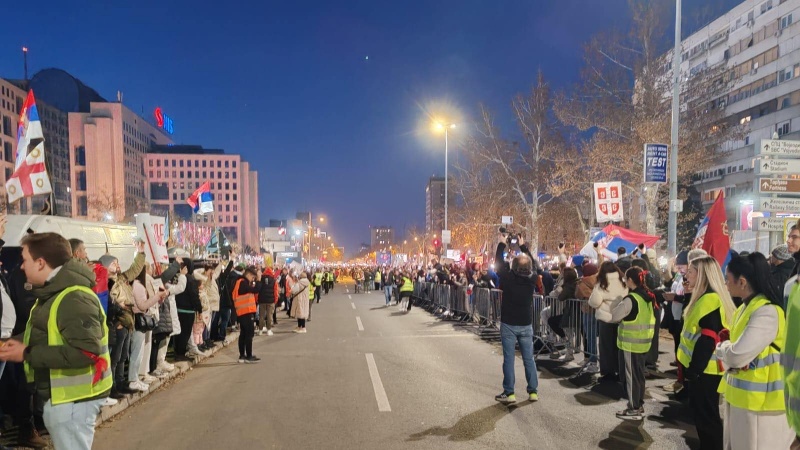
{"x":790,"y":357}
{"x":406,"y":291}
{"x":313,"y":292}
{"x":317,"y":282}
{"x":637,"y":326}
{"x":64,"y":350}
{"x":378,"y":276}
{"x":245,"y":304}
{"x":710,"y":311}
{"x":754,"y":411}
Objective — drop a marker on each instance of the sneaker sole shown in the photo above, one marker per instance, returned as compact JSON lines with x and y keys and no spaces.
{"x":630,"y":417}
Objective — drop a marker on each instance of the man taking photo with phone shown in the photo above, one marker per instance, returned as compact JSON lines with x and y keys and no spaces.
{"x":516,"y":315}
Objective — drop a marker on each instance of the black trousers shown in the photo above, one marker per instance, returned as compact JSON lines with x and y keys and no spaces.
{"x":157,"y":340}
{"x":631,"y":375}
{"x":652,"y":355}
{"x":704,"y":402}
{"x":182,"y":340}
{"x":609,"y":353}
{"x":248,"y":330}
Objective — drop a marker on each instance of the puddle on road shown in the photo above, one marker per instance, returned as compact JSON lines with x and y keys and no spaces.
{"x":471,"y":426}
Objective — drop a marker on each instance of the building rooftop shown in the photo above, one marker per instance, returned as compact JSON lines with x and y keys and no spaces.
{"x":184,"y":150}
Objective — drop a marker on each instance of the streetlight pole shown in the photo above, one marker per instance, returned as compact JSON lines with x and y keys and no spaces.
{"x":444,"y":244}
{"x":672,"y":224}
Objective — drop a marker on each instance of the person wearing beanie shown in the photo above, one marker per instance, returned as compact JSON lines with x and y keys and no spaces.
{"x":781,"y":264}
{"x":588,"y":320}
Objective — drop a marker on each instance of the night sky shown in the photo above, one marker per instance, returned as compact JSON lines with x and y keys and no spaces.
{"x":327,"y":100}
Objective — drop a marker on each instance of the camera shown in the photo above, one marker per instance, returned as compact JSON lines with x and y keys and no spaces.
{"x":512,"y":239}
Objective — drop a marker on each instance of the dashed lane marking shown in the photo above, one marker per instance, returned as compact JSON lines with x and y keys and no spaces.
{"x":377,"y":385}
{"x":353,"y":305}
{"x":360,"y":325}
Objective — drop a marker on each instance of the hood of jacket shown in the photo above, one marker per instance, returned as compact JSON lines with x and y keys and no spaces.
{"x":72,"y":273}
{"x":199,"y":275}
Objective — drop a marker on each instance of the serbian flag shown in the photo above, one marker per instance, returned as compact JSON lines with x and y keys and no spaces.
{"x":201,"y":200}
{"x":612,"y":237}
{"x":712,"y":235}
{"x":30,"y":174}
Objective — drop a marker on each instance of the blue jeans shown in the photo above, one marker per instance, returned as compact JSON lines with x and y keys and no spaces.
{"x":387,"y":290}
{"x":511,"y":335}
{"x":219,"y":324}
{"x":71,"y":425}
{"x":590,"y":334}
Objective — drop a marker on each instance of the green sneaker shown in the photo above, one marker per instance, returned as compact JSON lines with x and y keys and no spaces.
{"x":533,"y":396}
{"x":506,"y":398}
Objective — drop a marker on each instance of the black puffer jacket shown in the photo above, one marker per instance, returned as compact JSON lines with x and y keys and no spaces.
{"x":189,"y":299}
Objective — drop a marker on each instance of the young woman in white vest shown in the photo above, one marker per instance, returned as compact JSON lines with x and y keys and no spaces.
{"x":753,"y":410}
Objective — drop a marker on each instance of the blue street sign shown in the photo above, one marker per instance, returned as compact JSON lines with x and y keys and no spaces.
{"x":655,"y":163}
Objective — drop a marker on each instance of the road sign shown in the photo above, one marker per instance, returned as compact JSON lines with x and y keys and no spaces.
{"x":779,"y":148}
{"x":778,"y":166}
{"x":768,"y":224}
{"x":655,"y":163}
{"x":778,"y":204}
{"x":507,"y":220}
{"x":778,"y":186}
{"x":445,"y":236}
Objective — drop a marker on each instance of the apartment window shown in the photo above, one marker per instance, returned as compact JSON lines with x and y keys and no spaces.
{"x":741,"y":167}
{"x":204,"y":173}
{"x":766,"y":6}
{"x":174,"y":174}
{"x":234,"y":164}
{"x":180,"y":163}
{"x":785,"y":74}
{"x":7,"y":126}
{"x":227,"y":197}
{"x":235,"y":218}
{"x":226,"y":164}
{"x":227,"y":175}
{"x":227,"y":186}
{"x":234,"y":197}
{"x":8,"y":152}
{"x":150,"y":174}
{"x":787,"y":102}
{"x":81,"y":181}
{"x":235,"y":208}
{"x":227,"y":208}
{"x":197,"y":174}
{"x":182,"y":174}
{"x":786,"y":21}
{"x":204,"y":164}
{"x":158,"y":163}
{"x":183,"y":196}
{"x":183,"y":186}
{"x":158,"y":174}
{"x":219,"y":175}
{"x":175,"y":196}
{"x":784,"y":128}
{"x":234,"y":186}
{"x":150,"y":163}
{"x":744,"y":120}
{"x":219,"y":164}
{"x":83,"y":207}
{"x":234,"y":175}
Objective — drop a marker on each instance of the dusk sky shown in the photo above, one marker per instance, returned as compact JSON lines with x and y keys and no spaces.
{"x":325,"y":99}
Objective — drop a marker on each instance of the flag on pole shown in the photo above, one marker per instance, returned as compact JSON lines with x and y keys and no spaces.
{"x":201,"y":200}
{"x":712,"y":235}
{"x":30,"y":174}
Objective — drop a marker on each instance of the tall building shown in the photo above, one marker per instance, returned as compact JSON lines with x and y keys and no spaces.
{"x":55,"y":129}
{"x":233,"y":185}
{"x":381,"y":237}
{"x":434,"y":205}
{"x":756,"y":43}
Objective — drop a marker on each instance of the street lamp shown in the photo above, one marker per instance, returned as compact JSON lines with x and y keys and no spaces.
{"x":442,"y":126}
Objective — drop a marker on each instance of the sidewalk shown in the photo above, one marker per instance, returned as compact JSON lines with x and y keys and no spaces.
{"x":9,"y":436}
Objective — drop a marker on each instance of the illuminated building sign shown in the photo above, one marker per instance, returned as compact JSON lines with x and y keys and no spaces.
{"x":164,"y":121}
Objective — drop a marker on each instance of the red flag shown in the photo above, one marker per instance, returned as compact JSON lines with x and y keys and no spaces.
{"x":713,"y":236}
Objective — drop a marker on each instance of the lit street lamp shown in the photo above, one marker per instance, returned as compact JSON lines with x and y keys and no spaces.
{"x":445,"y":127}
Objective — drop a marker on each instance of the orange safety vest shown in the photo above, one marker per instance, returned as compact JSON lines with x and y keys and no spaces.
{"x":244,"y":304}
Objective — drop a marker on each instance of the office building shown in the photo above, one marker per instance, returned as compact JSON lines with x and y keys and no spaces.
{"x":381,"y":237}
{"x":176,"y":171}
{"x":434,"y":205}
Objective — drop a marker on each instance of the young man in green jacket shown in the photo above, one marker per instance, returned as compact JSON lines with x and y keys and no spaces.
{"x":65,"y":349}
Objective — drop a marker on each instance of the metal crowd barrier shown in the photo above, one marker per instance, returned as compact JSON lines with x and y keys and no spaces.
{"x":553,"y":333}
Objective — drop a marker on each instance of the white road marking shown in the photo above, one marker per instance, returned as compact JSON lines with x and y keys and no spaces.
{"x":350,"y":297}
{"x":353,"y":305}
{"x":360,"y":325}
{"x":377,"y":385}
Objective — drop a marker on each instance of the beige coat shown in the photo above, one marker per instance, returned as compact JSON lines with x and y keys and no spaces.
{"x":300,"y":306}
{"x":605,"y":300}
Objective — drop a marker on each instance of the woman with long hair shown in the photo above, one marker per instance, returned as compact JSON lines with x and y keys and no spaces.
{"x":754,"y":409}
{"x":637,"y":325}
{"x":607,"y":293}
{"x":709,"y":311}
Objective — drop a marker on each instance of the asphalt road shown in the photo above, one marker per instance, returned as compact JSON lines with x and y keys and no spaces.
{"x":405,"y":381}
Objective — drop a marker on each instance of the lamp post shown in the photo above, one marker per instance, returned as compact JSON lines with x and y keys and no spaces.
{"x":445,"y":127}
{"x":674,"y":204}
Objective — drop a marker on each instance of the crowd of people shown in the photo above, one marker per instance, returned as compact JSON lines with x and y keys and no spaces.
{"x":733,"y":330}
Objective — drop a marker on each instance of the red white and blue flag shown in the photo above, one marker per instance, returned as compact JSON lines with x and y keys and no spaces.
{"x":201,"y":200}
{"x":612,"y":237}
{"x":30,"y":174}
{"x":712,"y":235}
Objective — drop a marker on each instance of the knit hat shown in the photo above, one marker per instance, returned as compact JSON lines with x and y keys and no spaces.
{"x":106,"y":260}
{"x":240,"y":267}
{"x":781,"y":253}
{"x":682,"y":259}
{"x":589,"y":269}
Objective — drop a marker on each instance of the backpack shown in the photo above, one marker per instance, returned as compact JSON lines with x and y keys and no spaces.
{"x":122,"y":293}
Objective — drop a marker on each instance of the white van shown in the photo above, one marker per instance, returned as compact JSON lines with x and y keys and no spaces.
{"x":100,"y":237}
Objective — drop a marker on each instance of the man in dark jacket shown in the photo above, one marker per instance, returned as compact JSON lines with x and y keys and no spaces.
{"x":244,"y":302}
{"x":267,"y":299}
{"x":69,"y":412}
{"x":188,"y":305}
{"x":782,"y":265}
{"x":219,"y":326}
{"x":516,"y":316}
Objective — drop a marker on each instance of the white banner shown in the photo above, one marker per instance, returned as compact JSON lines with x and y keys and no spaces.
{"x":152,"y":230}
{"x":608,"y":201}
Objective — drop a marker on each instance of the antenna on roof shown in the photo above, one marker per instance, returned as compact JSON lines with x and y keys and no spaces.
{"x":25,"y":59}
{"x":119,"y":96}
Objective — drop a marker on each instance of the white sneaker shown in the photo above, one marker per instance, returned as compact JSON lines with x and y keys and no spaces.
{"x":592,"y":368}
{"x":166,"y":367}
{"x":160,"y":374}
{"x":260,"y":332}
{"x":149,"y":379}
{"x":264,"y":330}
{"x":108,"y":401}
{"x":270,"y":333}
{"x":138,"y":386}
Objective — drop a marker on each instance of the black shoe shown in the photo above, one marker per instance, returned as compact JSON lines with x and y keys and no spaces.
{"x":116,"y":395}
{"x":608,"y":378}
{"x":124,"y":389}
{"x":506,"y":398}
{"x":252,"y":360}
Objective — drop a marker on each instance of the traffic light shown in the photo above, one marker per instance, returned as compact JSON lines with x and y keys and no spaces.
{"x":436,"y":242}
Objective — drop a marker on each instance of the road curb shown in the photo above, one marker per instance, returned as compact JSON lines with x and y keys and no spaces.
{"x":181,"y":367}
